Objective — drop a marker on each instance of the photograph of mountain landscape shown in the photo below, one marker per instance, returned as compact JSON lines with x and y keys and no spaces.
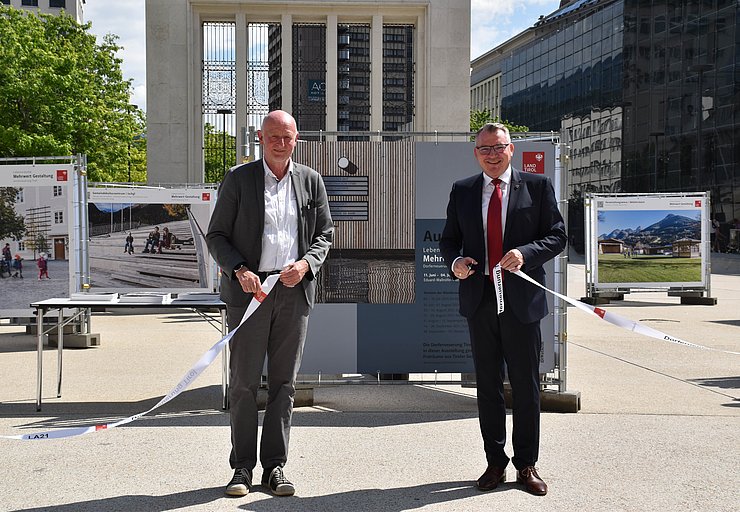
{"x":649,"y":246}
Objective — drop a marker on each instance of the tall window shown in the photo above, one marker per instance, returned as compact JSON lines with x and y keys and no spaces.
{"x":219,"y":100}
{"x":309,"y":76}
{"x":353,"y":80}
{"x":275,"y":58}
{"x":57,"y":190}
{"x":398,"y":77}
{"x":264,"y":71}
{"x":58,"y":217}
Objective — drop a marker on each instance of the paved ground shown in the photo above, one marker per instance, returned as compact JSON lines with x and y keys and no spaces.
{"x":17,"y":294}
{"x":658,"y":429}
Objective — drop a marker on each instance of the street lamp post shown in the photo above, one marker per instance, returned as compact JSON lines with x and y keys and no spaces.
{"x":130,"y":109}
{"x":655,"y":169}
{"x":224,"y":112}
{"x":700,"y":69}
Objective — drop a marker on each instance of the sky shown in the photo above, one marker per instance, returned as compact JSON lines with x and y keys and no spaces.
{"x":492,"y":23}
{"x":632,"y":219}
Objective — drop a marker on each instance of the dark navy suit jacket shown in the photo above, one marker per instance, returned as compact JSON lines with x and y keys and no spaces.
{"x":533,"y":225}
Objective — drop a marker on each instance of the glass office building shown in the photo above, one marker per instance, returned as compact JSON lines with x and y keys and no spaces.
{"x":645,"y":93}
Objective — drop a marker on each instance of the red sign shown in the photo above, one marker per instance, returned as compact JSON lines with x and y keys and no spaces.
{"x":697,"y":203}
{"x":206,"y":196}
{"x":533,"y":162}
{"x":61,"y":174}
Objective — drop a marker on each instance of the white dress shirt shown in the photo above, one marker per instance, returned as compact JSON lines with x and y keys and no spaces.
{"x":488,"y":188}
{"x":280,"y":236}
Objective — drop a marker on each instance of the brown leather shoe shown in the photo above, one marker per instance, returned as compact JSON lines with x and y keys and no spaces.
{"x":532,"y":481}
{"x":491,"y":478}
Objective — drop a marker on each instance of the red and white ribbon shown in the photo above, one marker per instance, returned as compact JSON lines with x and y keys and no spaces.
{"x":620,"y":321}
{"x":181,"y":386}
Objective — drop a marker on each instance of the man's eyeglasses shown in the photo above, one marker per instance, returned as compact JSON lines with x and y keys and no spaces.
{"x":487,"y":150}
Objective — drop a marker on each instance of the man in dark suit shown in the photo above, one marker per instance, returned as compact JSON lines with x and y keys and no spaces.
{"x":271,"y":217}
{"x":522,"y":230}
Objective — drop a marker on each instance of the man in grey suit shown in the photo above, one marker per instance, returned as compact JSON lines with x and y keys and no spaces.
{"x":271,"y":217}
{"x":504,"y":216}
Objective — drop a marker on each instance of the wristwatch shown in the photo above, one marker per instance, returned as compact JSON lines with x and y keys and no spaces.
{"x":238,"y":268}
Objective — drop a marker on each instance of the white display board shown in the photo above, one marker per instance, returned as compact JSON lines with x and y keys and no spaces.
{"x":115,"y":212}
{"x":45,"y":195}
{"x":647,"y":240}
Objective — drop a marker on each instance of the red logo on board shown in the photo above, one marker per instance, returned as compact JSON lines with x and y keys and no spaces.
{"x":533,"y":162}
{"x":61,"y":174}
{"x":206,"y":196}
{"x":697,"y":203}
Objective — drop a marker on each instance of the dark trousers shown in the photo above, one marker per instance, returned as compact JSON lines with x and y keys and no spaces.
{"x":499,"y":340}
{"x":277,"y":329}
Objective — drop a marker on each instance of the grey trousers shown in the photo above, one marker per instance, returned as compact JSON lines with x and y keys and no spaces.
{"x":277,"y":329}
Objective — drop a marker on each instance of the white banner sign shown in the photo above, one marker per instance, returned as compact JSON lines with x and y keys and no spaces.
{"x":29,"y":175}
{"x":147,"y":195}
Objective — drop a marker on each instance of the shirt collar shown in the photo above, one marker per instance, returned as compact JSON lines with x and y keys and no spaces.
{"x":505,"y":177}
{"x":268,"y":171}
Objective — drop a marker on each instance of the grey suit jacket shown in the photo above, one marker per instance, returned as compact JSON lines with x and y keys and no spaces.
{"x":236,"y":226}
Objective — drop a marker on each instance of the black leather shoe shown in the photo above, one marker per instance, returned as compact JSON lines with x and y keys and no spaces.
{"x":491,"y":478}
{"x":532,"y":481}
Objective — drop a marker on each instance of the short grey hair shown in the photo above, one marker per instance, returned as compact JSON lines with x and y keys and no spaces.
{"x":493,"y":127}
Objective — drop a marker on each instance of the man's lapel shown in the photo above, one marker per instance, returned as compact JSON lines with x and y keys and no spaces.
{"x":518,"y":195}
{"x":300,"y":193}
{"x":474,"y":206}
{"x":258,"y":185}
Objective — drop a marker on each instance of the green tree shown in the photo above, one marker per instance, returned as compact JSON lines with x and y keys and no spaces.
{"x":40,"y":243}
{"x":11,"y":224}
{"x":480,"y":117}
{"x":215,"y":163}
{"x":63,"y":93}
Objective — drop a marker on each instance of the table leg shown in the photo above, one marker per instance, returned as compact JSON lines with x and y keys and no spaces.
{"x":225,"y":363}
{"x":60,"y":348}
{"x":39,"y":353}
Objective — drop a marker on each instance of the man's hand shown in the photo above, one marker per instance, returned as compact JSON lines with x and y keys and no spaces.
{"x":463,"y":267}
{"x":292,"y":274}
{"x":249,"y":281}
{"x":512,"y":260}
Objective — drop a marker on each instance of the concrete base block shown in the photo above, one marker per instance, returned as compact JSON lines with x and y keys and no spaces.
{"x":552,"y":401}
{"x":67,"y":329}
{"x":595,"y":301}
{"x":76,"y":340}
{"x":303,"y":397}
{"x":699,"y":301}
{"x":560,"y":401}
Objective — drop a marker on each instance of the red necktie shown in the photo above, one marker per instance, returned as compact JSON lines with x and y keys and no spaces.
{"x":495,"y":236}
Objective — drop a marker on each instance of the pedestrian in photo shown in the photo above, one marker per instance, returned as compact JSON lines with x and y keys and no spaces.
{"x":18,"y":266}
{"x":129,"y":247}
{"x":289,"y":234}
{"x":6,"y":260}
{"x":505,"y":216}
{"x":152,"y":242}
{"x":43,"y":266}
